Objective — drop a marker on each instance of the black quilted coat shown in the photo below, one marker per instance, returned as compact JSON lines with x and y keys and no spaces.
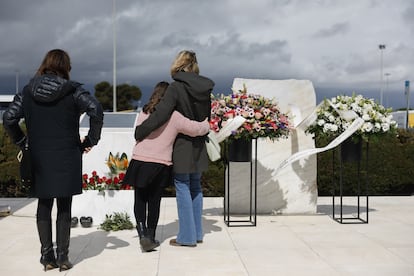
{"x":51,"y":107}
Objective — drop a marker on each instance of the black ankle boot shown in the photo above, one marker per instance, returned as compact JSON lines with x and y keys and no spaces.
{"x":47,"y":259}
{"x":151,"y":235}
{"x":144,"y":240}
{"x":63,"y":261}
{"x":62,"y":240}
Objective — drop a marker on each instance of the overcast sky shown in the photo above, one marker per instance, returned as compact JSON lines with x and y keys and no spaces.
{"x":333,"y":43}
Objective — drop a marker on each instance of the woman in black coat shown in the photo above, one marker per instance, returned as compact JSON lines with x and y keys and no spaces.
{"x":51,"y":106}
{"x":189,"y":94}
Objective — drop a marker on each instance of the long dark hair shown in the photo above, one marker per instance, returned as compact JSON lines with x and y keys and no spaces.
{"x":157,"y":94}
{"x":55,"y":62}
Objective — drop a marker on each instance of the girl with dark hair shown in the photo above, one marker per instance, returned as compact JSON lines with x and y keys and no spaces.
{"x":51,"y":106}
{"x":150,"y":168}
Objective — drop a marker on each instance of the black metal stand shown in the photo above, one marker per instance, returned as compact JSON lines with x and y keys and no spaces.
{"x":251,"y":218}
{"x":350,"y":219}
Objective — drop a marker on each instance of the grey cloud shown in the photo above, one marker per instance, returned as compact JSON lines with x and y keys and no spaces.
{"x":232,"y":45}
{"x":263,"y":39}
{"x":338,"y":28}
{"x":407,"y":15}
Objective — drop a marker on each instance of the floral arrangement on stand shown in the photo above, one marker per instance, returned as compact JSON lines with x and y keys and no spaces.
{"x":263,"y":116}
{"x":377,"y":119}
{"x":117,"y":165}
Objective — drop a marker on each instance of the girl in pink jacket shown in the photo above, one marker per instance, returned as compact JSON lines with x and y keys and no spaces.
{"x":150,"y":169}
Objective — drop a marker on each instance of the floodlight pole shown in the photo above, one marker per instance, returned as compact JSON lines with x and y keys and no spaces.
{"x":114,"y":55}
{"x":382,"y":48}
{"x":17,"y":81}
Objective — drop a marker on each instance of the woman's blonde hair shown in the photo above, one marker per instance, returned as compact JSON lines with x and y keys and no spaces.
{"x":185,"y":61}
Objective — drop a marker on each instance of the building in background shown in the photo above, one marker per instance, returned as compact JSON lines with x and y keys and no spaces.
{"x":401,"y":118}
{"x":5,"y":100}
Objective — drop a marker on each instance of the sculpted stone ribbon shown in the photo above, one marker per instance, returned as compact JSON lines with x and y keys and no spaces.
{"x":348,"y":115}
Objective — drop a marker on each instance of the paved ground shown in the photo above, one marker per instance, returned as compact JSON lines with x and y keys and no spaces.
{"x":278,"y":245}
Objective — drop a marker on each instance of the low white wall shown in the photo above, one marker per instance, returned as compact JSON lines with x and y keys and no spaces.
{"x":112,"y":140}
{"x":99,"y":204}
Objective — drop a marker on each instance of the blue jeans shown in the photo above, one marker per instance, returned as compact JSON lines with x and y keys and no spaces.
{"x":189,"y":198}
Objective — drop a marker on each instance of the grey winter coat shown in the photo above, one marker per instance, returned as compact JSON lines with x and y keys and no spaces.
{"x":51,"y":107}
{"x":189,"y":94}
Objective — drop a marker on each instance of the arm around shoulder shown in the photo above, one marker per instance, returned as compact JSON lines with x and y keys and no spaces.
{"x":190,"y":127}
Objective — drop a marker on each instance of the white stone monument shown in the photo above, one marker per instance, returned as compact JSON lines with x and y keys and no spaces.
{"x":293,"y":190}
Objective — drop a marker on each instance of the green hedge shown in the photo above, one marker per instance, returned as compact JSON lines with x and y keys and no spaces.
{"x":390,"y":169}
{"x":10,"y":185}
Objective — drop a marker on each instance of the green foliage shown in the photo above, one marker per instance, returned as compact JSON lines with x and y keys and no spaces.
{"x":125,"y":96}
{"x":10,"y":185}
{"x":388,"y":171}
{"x":116,"y":221}
{"x":212,"y":180}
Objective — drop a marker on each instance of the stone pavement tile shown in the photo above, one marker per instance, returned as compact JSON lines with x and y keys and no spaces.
{"x":95,"y":243}
{"x":256,"y":258}
{"x":362,"y":256}
{"x":16,"y":203}
{"x":118,"y":252}
{"x":336,"y":238}
{"x":294,"y":270}
{"x":405,"y":253}
{"x":29,"y":210}
{"x":199,"y":261}
{"x":275,"y":237}
{"x":394,"y":234}
{"x":375,"y":270}
{"x":14,"y":229}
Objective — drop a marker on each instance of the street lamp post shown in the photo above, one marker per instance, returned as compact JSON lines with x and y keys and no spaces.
{"x":382,"y":48}
{"x":17,"y":81}
{"x":114,"y":55}
{"x":386,"y":86}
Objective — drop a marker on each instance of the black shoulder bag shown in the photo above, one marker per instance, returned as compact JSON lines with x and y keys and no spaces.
{"x":26,"y":173}
{"x":25,"y":159}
